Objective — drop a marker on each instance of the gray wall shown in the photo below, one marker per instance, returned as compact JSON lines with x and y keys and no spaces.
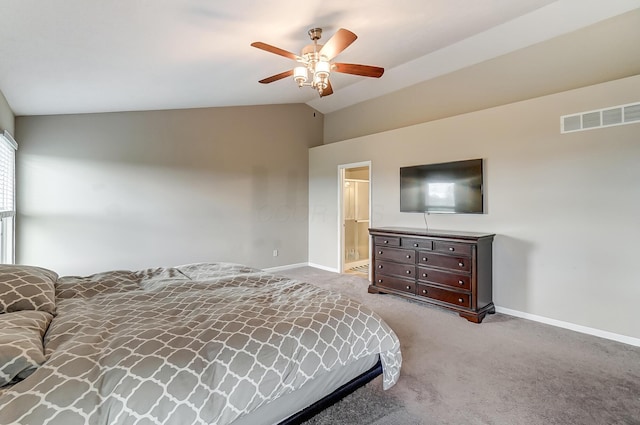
{"x":7,"y":120}
{"x":565,"y":207}
{"x":159,"y":188}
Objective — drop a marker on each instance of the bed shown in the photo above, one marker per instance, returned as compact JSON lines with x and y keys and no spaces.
{"x":207,"y":343}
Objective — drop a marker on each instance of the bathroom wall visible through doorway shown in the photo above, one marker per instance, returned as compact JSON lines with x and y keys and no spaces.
{"x":355,"y":214}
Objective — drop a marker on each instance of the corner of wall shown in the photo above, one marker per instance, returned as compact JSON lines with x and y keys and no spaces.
{"x":7,"y":117}
{"x":319,"y":119}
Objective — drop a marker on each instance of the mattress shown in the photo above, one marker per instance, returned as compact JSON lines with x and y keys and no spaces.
{"x":322,"y":386}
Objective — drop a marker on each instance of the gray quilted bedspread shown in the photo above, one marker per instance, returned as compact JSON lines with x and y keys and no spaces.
{"x":196,"y":344}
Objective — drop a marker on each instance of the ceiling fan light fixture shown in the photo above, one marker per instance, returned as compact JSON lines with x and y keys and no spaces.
{"x":320,"y":82}
{"x":321,"y":75}
{"x":321,"y":85}
{"x":300,"y":75}
{"x":323,"y":68}
{"x":315,"y":64}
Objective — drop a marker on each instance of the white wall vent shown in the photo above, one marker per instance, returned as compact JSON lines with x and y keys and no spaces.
{"x":606,"y":117}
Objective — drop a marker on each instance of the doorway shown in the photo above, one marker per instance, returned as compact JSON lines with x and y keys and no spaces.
{"x":355,"y":207}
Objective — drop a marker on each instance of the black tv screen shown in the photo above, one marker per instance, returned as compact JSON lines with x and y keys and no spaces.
{"x":449,"y":187}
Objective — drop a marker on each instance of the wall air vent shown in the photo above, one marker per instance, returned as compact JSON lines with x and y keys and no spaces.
{"x":606,"y":117}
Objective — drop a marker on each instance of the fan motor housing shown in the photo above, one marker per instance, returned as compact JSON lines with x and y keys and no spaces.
{"x":315,"y":33}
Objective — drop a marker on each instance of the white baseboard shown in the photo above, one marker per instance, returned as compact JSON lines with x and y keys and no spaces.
{"x":571,"y":326}
{"x":294,"y":266}
{"x":318,"y":266}
{"x":286,"y":267}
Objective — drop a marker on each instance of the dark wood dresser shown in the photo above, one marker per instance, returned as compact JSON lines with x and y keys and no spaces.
{"x":446,"y":269}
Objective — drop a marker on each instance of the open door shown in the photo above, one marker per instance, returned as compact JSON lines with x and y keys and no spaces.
{"x":355,"y":212}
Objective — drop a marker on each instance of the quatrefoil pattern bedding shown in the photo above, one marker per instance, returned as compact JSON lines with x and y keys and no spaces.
{"x":197,"y":344}
{"x":21,"y":350}
{"x":26,"y":288}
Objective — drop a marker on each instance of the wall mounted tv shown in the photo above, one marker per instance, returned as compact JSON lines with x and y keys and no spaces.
{"x":448,"y":187}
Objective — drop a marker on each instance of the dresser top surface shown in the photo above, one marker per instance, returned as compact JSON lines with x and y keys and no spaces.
{"x":414,"y":231}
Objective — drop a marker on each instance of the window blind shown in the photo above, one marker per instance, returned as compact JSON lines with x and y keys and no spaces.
{"x":8,"y":148}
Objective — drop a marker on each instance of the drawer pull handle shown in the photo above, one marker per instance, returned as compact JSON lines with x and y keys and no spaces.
{"x":408,"y":287}
{"x":461,"y":264}
{"x":451,"y":249}
{"x":460,"y":300}
{"x":424,"y":291}
{"x":461,"y":282}
{"x":424,"y":275}
{"x":415,"y":244}
{"x":408,"y":256}
{"x":380,"y":252}
{"x":424,"y":259}
{"x":386,"y":241}
{"x":380,"y":266}
{"x":408,"y":271}
{"x":379,"y":280}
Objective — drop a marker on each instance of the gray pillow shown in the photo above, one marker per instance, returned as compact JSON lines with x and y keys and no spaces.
{"x":27,"y":288}
{"x":21,"y":349}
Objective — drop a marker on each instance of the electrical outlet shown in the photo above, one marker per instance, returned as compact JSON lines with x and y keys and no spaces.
{"x":275,"y":252}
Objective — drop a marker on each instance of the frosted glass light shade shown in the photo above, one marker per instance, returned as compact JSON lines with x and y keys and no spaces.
{"x":323,"y":68}
{"x":300,"y":74}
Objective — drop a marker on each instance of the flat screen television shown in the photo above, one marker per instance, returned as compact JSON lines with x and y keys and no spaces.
{"x":448,"y":187}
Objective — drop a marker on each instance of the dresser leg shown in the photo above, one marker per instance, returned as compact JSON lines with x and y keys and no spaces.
{"x":475,"y":318}
{"x":373,"y":290}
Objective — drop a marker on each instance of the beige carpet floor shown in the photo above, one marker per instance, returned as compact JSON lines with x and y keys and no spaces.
{"x":504,"y":371}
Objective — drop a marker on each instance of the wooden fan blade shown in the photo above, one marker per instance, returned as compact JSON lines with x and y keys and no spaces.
{"x":355,"y":69}
{"x":277,"y":77}
{"x":336,"y":44}
{"x":328,"y":90}
{"x":273,"y":49}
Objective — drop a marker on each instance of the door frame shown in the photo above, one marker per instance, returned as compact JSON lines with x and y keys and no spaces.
{"x":341,"y":175}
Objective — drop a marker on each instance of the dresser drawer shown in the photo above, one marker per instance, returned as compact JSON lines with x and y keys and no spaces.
{"x":396,"y":283}
{"x":423,"y":244}
{"x":444,"y":261}
{"x":395,"y":254}
{"x":452,"y":248}
{"x":396,"y":269}
{"x":460,"y":281}
{"x":451,"y":297}
{"x":386,"y":240}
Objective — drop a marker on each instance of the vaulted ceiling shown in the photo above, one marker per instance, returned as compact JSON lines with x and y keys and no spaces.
{"x":81,"y":56}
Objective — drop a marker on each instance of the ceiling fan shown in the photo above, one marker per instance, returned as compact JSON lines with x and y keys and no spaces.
{"x":315,"y":61}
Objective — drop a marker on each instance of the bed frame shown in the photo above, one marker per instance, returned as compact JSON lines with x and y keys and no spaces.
{"x":334,"y":397}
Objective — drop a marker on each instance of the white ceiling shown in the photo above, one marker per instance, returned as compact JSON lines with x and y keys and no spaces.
{"x":81,"y":56}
